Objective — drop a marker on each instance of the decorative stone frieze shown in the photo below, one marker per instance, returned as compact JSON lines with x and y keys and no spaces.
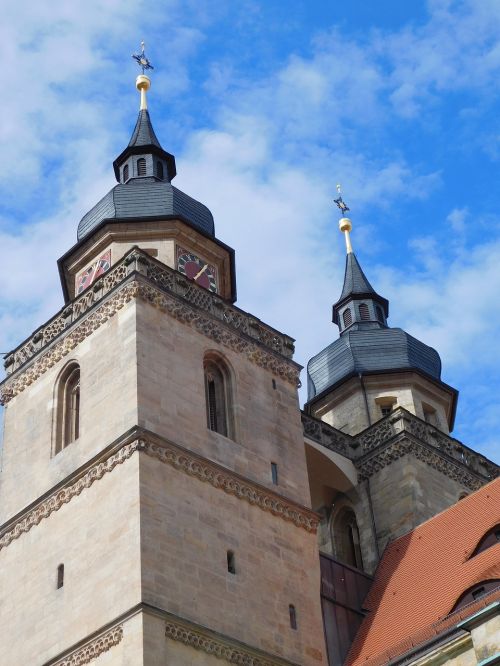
{"x":93,"y":649}
{"x":140,"y":276}
{"x":166,"y":452}
{"x":327,"y":436}
{"x":397,"y":434}
{"x":385,"y":455}
{"x":62,"y":495}
{"x":219,"y":646}
{"x":166,"y":279}
{"x":231,"y":483}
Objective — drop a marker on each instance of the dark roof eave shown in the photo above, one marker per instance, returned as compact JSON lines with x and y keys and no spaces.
{"x":437,"y":382}
{"x":155,"y":218}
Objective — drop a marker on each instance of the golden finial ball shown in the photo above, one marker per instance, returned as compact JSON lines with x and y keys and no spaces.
{"x":345,"y":224}
{"x":143,"y":82}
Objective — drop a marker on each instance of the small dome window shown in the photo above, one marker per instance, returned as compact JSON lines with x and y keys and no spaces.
{"x":476,"y":592}
{"x":125,"y":173}
{"x":141,"y":166}
{"x":364,"y":312}
{"x":159,"y":170}
{"x":347,"y":317}
{"x":491,"y":538}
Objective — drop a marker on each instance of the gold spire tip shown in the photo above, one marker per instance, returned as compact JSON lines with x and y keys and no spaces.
{"x":345,"y":224}
{"x":143,"y":82}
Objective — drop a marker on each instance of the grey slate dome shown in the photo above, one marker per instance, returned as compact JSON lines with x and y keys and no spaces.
{"x":369,"y":351}
{"x":144,"y":171}
{"x":147,"y":198}
{"x":366,"y":344}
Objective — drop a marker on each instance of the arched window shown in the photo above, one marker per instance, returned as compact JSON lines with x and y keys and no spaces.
{"x":68,"y":407}
{"x":125,"y":173}
{"x":159,"y":170}
{"x":141,"y":166}
{"x":347,"y":317}
{"x":346,"y":539}
{"x":364,"y":313}
{"x":218,"y":397}
{"x":380,"y":314}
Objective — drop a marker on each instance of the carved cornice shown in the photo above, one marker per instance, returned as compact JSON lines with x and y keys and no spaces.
{"x":231,"y":483}
{"x":183,"y":298}
{"x":404,"y":444}
{"x":65,"y":492}
{"x":93,"y":649}
{"x":66,"y":343}
{"x":398,"y":434}
{"x":166,"y":452}
{"x":328,"y":436}
{"x":176,"y":629}
{"x":166,"y":290}
{"x":219,"y":646}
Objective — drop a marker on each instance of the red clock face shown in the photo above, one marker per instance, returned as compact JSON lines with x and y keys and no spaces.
{"x":196,"y":269}
{"x":94,"y":271}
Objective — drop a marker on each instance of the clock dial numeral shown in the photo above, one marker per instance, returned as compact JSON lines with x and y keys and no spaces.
{"x":94,"y":271}
{"x":196,"y":269}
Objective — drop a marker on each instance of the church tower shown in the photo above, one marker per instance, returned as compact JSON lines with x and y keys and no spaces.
{"x":375,"y":396}
{"x":154,"y":497}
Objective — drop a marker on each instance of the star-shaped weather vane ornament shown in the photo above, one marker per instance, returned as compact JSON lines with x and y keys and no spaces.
{"x":340,"y":202}
{"x":142,"y":59}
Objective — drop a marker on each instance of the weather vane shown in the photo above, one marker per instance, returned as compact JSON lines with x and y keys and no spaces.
{"x":340,"y":202}
{"x":142,"y":59}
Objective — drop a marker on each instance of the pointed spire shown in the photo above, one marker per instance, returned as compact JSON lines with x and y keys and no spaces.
{"x":151,"y":160}
{"x":355,"y":281}
{"x":356,"y":291}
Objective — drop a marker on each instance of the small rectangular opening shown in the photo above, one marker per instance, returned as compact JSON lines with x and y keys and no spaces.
{"x":293,"y":616}
{"x":231,"y":562}
{"x":60,"y":576}
{"x":274,"y":473}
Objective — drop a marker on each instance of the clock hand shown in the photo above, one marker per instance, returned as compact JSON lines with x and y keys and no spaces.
{"x":200,"y":272}
{"x":95,"y":270}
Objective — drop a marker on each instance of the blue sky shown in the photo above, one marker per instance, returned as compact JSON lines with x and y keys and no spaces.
{"x":267,"y":105}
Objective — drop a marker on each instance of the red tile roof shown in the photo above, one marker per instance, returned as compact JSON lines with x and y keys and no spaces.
{"x":421,"y":576}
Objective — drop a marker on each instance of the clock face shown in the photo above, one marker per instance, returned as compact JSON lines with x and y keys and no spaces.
{"x":94,"y":271}
{"x":197,"y":269}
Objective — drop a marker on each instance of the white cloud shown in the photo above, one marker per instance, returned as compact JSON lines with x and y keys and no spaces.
{"x":267,"y":166}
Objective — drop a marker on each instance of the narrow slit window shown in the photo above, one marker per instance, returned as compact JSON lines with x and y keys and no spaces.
{"x":159,"y":170}
{"x":125,"y":173}
{"x":293,"y":616}
{"x":60,"y":576}
{"x":231,"y":562}
{"x":380,"y":314}
{"x":274,"y":473}
{"x":141,"y":166}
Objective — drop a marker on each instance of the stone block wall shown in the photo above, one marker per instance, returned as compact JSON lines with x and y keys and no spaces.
{"x":187,"y":528}
{"x":108,"y":408}
{"x":95,"y":534}
{"x":171,"y":402}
